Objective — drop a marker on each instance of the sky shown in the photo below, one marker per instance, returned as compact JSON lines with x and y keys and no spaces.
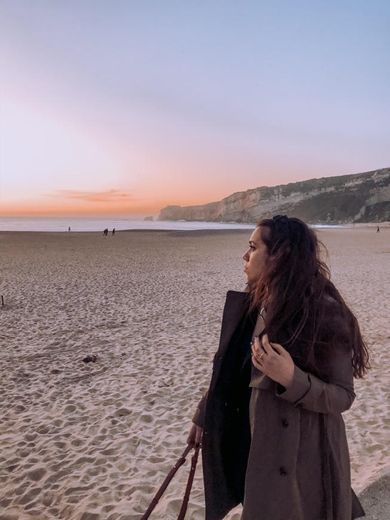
{"x":125,"y":107}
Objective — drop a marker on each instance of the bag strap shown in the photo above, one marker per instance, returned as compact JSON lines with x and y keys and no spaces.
{"x":168,"y":479}
{"x":190,"y":480}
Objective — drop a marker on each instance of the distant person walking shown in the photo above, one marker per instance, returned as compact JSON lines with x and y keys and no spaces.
{"x":377,"y":229}
{"x":69,"y":229}
{"x":105,"y":232}
{"x":113,"y":231}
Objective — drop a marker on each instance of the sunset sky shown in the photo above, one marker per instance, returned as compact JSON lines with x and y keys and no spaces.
{"x":124,"y":107}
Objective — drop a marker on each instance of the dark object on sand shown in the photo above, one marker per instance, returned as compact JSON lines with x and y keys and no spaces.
{"x":105,"y":232}
{"x":113,"y":231}
{"x":2,"y":300}
{"x":169,"y":477}
{"x":90,"y":358}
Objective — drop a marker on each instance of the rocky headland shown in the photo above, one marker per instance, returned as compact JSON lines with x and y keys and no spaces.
{"x":362,"y":197}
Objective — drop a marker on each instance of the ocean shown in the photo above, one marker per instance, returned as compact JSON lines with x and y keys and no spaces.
{"x":99,"y":224}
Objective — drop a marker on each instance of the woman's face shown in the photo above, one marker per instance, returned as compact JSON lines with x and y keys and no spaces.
{"x":255,"y":257}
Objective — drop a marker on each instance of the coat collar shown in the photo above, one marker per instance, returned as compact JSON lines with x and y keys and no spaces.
{"x":236,"y":303}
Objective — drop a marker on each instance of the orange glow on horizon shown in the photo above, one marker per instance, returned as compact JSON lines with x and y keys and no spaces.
{"x":94,"y":205}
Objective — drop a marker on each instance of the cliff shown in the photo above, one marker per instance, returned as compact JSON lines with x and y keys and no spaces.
{"x":362,"y":197}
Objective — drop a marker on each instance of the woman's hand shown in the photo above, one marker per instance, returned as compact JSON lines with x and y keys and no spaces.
{"x":195,"y":435}
{"x":273,"y":360}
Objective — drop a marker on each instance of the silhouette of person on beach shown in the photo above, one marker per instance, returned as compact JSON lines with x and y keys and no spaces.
{"x":113,"y":231}
{"x":69,"y":229}
{"x":377,"y":229}
{"x":105,"y":232}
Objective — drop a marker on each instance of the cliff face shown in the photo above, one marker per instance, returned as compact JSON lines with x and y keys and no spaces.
{"x":362,"y":197}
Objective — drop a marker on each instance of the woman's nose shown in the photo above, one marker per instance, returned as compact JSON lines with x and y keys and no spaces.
{"x":245,"y":257}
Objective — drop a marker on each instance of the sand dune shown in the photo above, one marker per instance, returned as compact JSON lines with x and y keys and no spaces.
{"x":93,"y":441}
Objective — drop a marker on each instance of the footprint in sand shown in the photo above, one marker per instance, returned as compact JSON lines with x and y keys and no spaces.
{"x":122,"y":412}
{"x":37,"y":474}
{"x":146,"y":418}
{"x":29,"y":495}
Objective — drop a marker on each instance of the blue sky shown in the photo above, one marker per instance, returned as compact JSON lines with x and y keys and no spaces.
{"x":125,"y":107}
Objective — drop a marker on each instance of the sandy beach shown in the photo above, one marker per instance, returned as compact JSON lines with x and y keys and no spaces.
{"x":93,"y":441}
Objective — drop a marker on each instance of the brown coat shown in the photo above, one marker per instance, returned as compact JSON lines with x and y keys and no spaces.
{"x":283,"y":453}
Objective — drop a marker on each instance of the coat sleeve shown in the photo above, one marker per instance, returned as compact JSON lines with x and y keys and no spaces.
{"x":311,"y":393}
{"x":333,"y":396}
{"x":198,"y":417}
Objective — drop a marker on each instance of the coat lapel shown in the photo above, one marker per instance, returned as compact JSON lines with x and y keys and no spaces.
{"x":236,"y":304}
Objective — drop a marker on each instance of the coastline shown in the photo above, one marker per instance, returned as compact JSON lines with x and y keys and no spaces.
{"x":94,"y":226}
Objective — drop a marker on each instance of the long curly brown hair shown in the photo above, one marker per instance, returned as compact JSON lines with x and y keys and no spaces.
{"x":304,"y":310}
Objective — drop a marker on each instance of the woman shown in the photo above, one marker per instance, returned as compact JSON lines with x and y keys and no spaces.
{"x":270,"y":424}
